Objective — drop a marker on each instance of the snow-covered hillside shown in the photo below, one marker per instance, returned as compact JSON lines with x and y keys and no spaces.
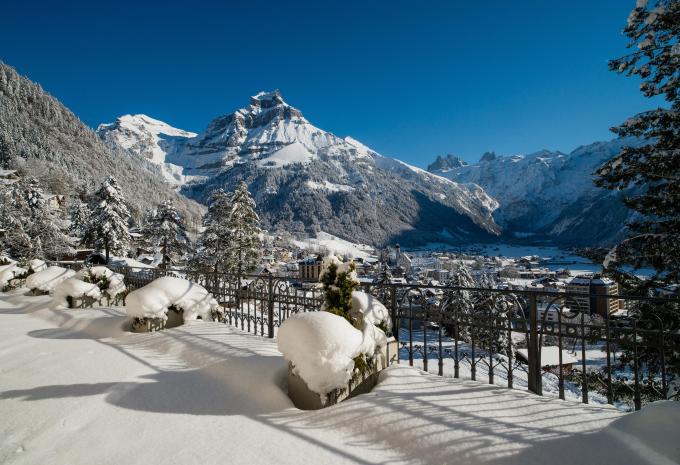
{"x":305,"y":179}
{"x":148,"y":138}
{"x":548,"y":193}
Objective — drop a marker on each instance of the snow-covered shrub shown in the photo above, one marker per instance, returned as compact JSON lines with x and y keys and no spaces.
{"x":10,"y":271}
{"x":113,"y":284}
{"x":36,"y":265}
{"x":73,"y":288}
{"x":322,"y":348}
{"x":154,"y":300}
{"x":46,"y":280}
{"x":327,"y":349}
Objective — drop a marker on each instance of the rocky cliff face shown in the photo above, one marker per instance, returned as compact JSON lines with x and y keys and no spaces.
{"x":446,"y":163}
{"x":148,"y":138}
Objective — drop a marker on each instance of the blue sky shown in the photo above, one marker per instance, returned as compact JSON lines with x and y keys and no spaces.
{"x":409,"y":79}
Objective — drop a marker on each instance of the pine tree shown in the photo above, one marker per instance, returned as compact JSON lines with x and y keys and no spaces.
{"x":79,"y":214}
{"x":655,"y":166}
{"x":33,"y":230}
{"x":244,"y":240}
{"x":166,"y":229}
{"x":338,"y":285}
{"x":212,"y":250}
{"x":108,"y":226}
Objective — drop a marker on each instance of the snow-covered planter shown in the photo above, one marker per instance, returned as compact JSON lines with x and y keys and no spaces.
{"x":36,"y":265}
{"x":46,"y":280}
{"x":73,"y":292}
{"x":10,"y":274}
{"x":338,"y":352}
{"x":109,"y":283}
{"x":159,"y":303}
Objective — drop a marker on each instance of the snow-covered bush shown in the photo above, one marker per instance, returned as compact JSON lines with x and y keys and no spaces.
{"x":154,"y":300}
{"x":322,"y":348}
{"x":9,"y":271}
{"x":73,"y":288}
{"x":327,"y":349}
{"x":36,"y":265}
{"x":46,"y":280}
{"x":113,"y":284}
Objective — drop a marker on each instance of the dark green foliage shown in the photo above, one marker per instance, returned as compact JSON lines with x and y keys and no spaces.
{"x":338,"y":288}
{"x":655,"y":166}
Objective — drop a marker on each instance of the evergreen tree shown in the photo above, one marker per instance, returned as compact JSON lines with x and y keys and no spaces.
{"x":655,"y":166}
{"x":79,"y":214}
{"x":108,"y":226}
{"x":166,"y":229}
{"x":33,"y":230}
{"x":244,"y":240}
{"x":212,"y":251}
{"x":338,"y":284}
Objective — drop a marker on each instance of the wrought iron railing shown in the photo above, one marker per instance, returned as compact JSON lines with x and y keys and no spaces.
{"x":547,"y":342}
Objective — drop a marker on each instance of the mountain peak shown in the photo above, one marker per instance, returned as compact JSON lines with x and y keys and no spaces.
{"x":446,"y":163}
{"x":266,"y":99}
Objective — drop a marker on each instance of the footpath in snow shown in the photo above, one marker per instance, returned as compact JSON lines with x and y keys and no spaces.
{"x":77,"y":389}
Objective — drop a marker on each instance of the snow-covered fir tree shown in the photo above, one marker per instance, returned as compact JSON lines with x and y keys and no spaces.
{"x":212,"y":248}
{"x":33,"y":229}
{"x":653,"y":30}
{"x":654,"y":241}
{"x":244,"y":233}
{"x":166,"y":229}
{"x":79,"y":215}
{"x":108,"y":226}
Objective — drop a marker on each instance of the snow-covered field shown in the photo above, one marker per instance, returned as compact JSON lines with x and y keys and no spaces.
{"x":77,"y":389}
{"x":335,"y":246}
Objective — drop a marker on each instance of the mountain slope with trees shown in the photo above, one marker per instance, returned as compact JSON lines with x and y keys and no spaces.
{"x":41,"y":138}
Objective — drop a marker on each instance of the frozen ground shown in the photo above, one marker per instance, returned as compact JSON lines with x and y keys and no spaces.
{"x":76,"y":389}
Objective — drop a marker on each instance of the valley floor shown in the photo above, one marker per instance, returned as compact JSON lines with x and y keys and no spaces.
{"x":76,"y":389}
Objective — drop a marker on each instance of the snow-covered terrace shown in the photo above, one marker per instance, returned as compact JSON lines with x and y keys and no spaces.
{"x":76,"y":389}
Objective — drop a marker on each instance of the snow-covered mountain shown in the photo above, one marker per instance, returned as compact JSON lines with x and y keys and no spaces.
{"x":42,"y":138}
{"x":149,"y":138}
{"x":306,"y":179}
{"x":549,"y":194}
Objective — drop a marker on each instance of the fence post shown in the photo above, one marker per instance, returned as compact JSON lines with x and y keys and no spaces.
{"x":535,"y":379}
{"x":270,"y":309}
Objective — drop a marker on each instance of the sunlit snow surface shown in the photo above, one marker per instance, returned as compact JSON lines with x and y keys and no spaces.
{"x":76,"y":389}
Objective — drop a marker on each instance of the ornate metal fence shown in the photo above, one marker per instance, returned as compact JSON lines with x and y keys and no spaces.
{"x":549,"y":343}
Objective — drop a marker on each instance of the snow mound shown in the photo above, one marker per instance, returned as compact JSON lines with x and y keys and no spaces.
{"x":155,"y":299}
{"x":37,"y":265}
{"x":10,"y":271}
{"x":322,"y":347}
{"x":74,"y":288}
{"x":47,"y":279}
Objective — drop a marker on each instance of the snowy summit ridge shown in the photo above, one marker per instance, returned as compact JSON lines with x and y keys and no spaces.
{"x":148,"y":138}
